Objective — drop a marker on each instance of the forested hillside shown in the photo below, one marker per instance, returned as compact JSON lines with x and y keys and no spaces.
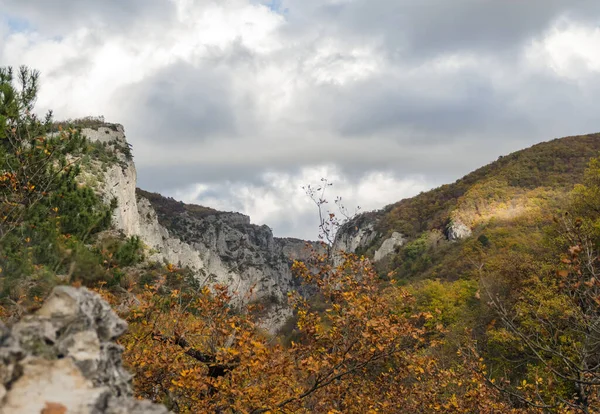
{"x":555,"y":165}
{"x":503,"y":319}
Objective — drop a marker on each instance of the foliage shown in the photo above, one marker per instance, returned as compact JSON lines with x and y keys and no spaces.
{"x":555,"y":323}
{"x":92,"y":122}
{"x":505,"y":321}
{"x":193,"y":352}
{"x":130,"y":252}
{"x":45,"y":214}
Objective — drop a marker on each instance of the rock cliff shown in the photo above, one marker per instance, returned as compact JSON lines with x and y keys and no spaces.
{"x":219,"y":247}
{"x":63,"y":359}
{"x":362,"y":234}
{"x":389,"y":246}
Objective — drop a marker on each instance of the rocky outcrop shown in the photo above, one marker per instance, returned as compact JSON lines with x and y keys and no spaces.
{"x":63,"y":359}
{"x":219,"y":247}
{"x":358,"y":234}
{"x":351,"y":238}
{"x":222,"y":247}
{"x":457,"y":230}
{"x":389,"y":246}
{"x":119,"y":177}
{"x":163,"y":247}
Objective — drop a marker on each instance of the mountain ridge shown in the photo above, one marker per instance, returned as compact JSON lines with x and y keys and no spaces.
{"x":459,"y":207}
{"x":414,"y":237}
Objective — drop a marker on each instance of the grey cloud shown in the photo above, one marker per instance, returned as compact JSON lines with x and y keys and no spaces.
{"x":62,"y":16}
{"x":473,"y":123}
{"x":384,"y":104}
{"x":180,"y":104}
{"x":165,"y":178}
{"x":409,"y":119}
{"x":417,"y":30}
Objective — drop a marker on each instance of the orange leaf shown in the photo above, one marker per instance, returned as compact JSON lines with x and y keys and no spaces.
{"x":54,"y":408}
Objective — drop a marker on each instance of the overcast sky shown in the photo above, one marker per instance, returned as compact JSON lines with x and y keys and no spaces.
{"x":236,"y":104}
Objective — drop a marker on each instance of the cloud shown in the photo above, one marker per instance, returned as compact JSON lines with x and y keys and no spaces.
{"x":238,"y":103}
{"x":423,"y":30}
{"x":278,"y":197}
{"x":62,"y":17}
{"x":163,"y":106}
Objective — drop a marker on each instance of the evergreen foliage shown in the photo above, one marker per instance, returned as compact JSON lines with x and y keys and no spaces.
{"x":45,"y":214}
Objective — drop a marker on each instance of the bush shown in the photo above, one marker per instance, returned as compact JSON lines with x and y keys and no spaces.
{"x":131,"y":252}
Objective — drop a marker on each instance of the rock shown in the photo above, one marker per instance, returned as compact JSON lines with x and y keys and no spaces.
{"x":224,"y":248}
{"x":57,"y":383}
{"x":357,"y":234}
{"x":457,"y":230}
{"x":63,"y":359}
{"x":389,"y":246}
{"x":219,"y":247}
{"x":352,"y":239}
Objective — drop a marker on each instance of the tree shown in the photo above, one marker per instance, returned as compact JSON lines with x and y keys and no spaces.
{"x":357,"y":353}
{"x":42,"y":203}
{"x":35,"y":162}
{"x":329,"y":221}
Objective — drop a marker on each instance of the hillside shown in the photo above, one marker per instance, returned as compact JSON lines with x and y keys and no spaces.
{"x":557,"y":164}
{"x":482,"y":255}
{"x":500,"y":204}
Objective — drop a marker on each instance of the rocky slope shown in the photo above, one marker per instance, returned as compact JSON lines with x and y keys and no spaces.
{"x":63,"y":359}
{"x":219,"y":247}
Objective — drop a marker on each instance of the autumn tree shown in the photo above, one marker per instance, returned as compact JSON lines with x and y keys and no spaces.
{"x":356,"y":353}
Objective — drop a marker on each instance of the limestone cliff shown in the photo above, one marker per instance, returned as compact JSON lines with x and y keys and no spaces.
{"x":219,"y":247}
{"x":371,"y":233}
{"x":356,"y":235}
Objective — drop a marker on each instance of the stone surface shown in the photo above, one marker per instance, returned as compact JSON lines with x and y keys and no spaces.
{"x":389,"y":246}
{"x":357,"y":234}
{"x":63,"y":359}
{"x":457,"y":230}
{"x":350,"y":239}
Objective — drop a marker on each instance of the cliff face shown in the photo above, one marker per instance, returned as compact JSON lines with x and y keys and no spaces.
{"x":223,"y":247}
{"x":220,"y":247}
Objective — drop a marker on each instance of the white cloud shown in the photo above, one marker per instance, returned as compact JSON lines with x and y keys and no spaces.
{"x":280,"y":201}
{"x":568,"y":49}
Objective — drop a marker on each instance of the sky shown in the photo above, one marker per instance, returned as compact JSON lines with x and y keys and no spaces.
{"x":238,"y":104}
